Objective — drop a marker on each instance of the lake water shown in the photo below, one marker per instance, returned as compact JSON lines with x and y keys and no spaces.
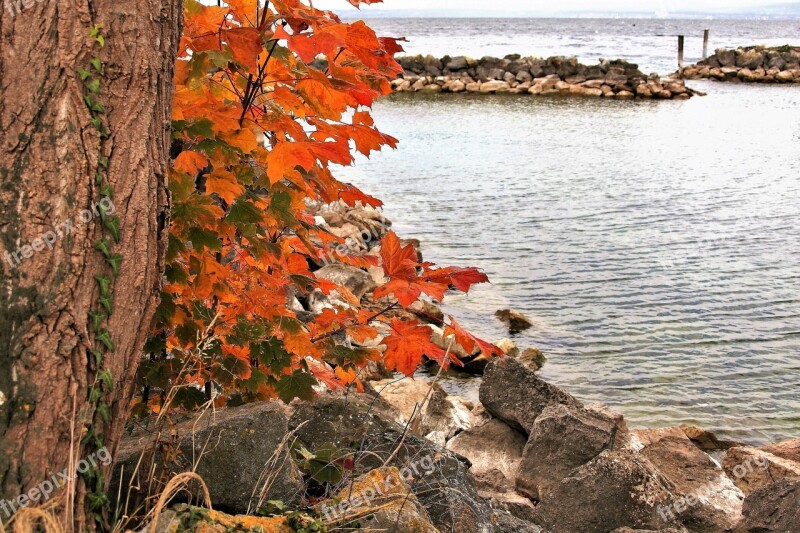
{"x":654,"y":244}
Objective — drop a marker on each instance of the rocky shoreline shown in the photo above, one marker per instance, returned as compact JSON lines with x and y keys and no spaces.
{"x":514,"y":74}
{"x":404,"y":456}
{"x":753,"y":64}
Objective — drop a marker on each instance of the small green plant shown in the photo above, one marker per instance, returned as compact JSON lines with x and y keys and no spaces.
{"x":304,"y":523}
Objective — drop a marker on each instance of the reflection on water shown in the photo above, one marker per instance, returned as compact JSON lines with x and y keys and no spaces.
{"x":655,"y":244}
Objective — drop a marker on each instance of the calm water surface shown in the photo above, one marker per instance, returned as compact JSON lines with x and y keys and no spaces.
{"x":655,"y":244}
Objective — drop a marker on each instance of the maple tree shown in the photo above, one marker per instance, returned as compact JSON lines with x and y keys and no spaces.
{"x":267,"y":98}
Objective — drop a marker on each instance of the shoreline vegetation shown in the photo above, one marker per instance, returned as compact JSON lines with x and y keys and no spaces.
{"x":514,"y":74}
{"x":404,"y":456}
{"x":752,"y":64}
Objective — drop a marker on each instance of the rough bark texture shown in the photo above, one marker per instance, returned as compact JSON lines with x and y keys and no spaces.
{"x":49,"y":153}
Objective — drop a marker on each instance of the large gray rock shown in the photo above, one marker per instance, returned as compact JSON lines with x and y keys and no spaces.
{"x":353,"y":279}
{"x":241,"y":453}
{"x":726,"y":58}
{"x":562,"y":439}
{"x":364,"y":426}
{"x":616,"y":489}
{"x":494,"y":449}
{"x":712,"y":502}
{"x":514,"y":393}
{"x":751,"y":59}
{"x":773,"y":509}
{"x":426,"y":408}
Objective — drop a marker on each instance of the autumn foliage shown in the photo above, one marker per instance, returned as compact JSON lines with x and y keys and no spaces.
{"x":267,"y":98}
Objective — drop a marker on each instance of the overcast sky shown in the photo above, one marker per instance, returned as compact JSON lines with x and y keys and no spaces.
{"x":546,"y":6}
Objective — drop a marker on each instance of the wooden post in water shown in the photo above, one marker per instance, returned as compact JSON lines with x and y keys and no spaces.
{"x":680,"y":54}
{"x":705,"y":43}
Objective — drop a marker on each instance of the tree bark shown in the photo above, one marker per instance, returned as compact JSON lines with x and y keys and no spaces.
{"x":49,"y":155}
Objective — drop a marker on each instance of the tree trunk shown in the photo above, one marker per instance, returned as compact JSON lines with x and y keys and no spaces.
{"x":50,"y":155}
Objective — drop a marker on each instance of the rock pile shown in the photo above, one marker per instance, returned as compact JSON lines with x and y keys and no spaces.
{"x":529,"y":75}
{"x":531,"y":458}
{"x":754,"y":64}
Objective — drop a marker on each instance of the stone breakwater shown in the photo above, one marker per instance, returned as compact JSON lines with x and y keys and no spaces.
{"x":514,"y":74}
{"x":754,"y":64}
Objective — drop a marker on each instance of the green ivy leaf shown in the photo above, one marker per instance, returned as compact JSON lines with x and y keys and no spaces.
{"x":112,"y":225}
{"x":107,"y":302}
{"x":109,"y":192}
{"x":98,"y":66}
{"x":115,"y":261}
{"x":105,"y":337}
{"x":84,"y":74}
{"x":103,"y":162}
{"x":104,"y":283}
{"x":106,"y":379}
{"x":93,"y":85}
{"x":102,"y":410}
{"x":94,"y":395}
{"x":98,"y":357}
{"x":104,"y":246}
{"x":97,"y":320}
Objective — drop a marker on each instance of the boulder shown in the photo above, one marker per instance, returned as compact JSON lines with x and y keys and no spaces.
{"x":428,"y":311}
{"x":751,"y":468}
{"x":495,"y":87}
{"x":450,"y":343}
{"x":788,"y":449}
{"x":726,"y":58}
{"x":524,"y":76}
{"x":240,"y":452}
{"x":457,"y":63}
{"x":706,"y":440}
{"x":514,"y":393}
{"x":774,"y":508}
{"x":494,"y":451}
{"x":562,"y":439}
{"x":533,"y":358}
{"x":354,"y":279}
{"x":380,"y":500}
{"x":436,"y":416}
{"x":749,"y":59}
{"x":515,"y":320}
{"x":508,"y":347}
{"x":709,"y":502}
{"x":364,"y":426}
{"x":616,"y":489}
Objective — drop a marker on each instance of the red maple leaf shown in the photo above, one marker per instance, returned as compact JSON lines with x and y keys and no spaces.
{"x":408,"y":344}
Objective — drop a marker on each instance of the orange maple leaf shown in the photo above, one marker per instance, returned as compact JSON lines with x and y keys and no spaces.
{"x":406,"y":347}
